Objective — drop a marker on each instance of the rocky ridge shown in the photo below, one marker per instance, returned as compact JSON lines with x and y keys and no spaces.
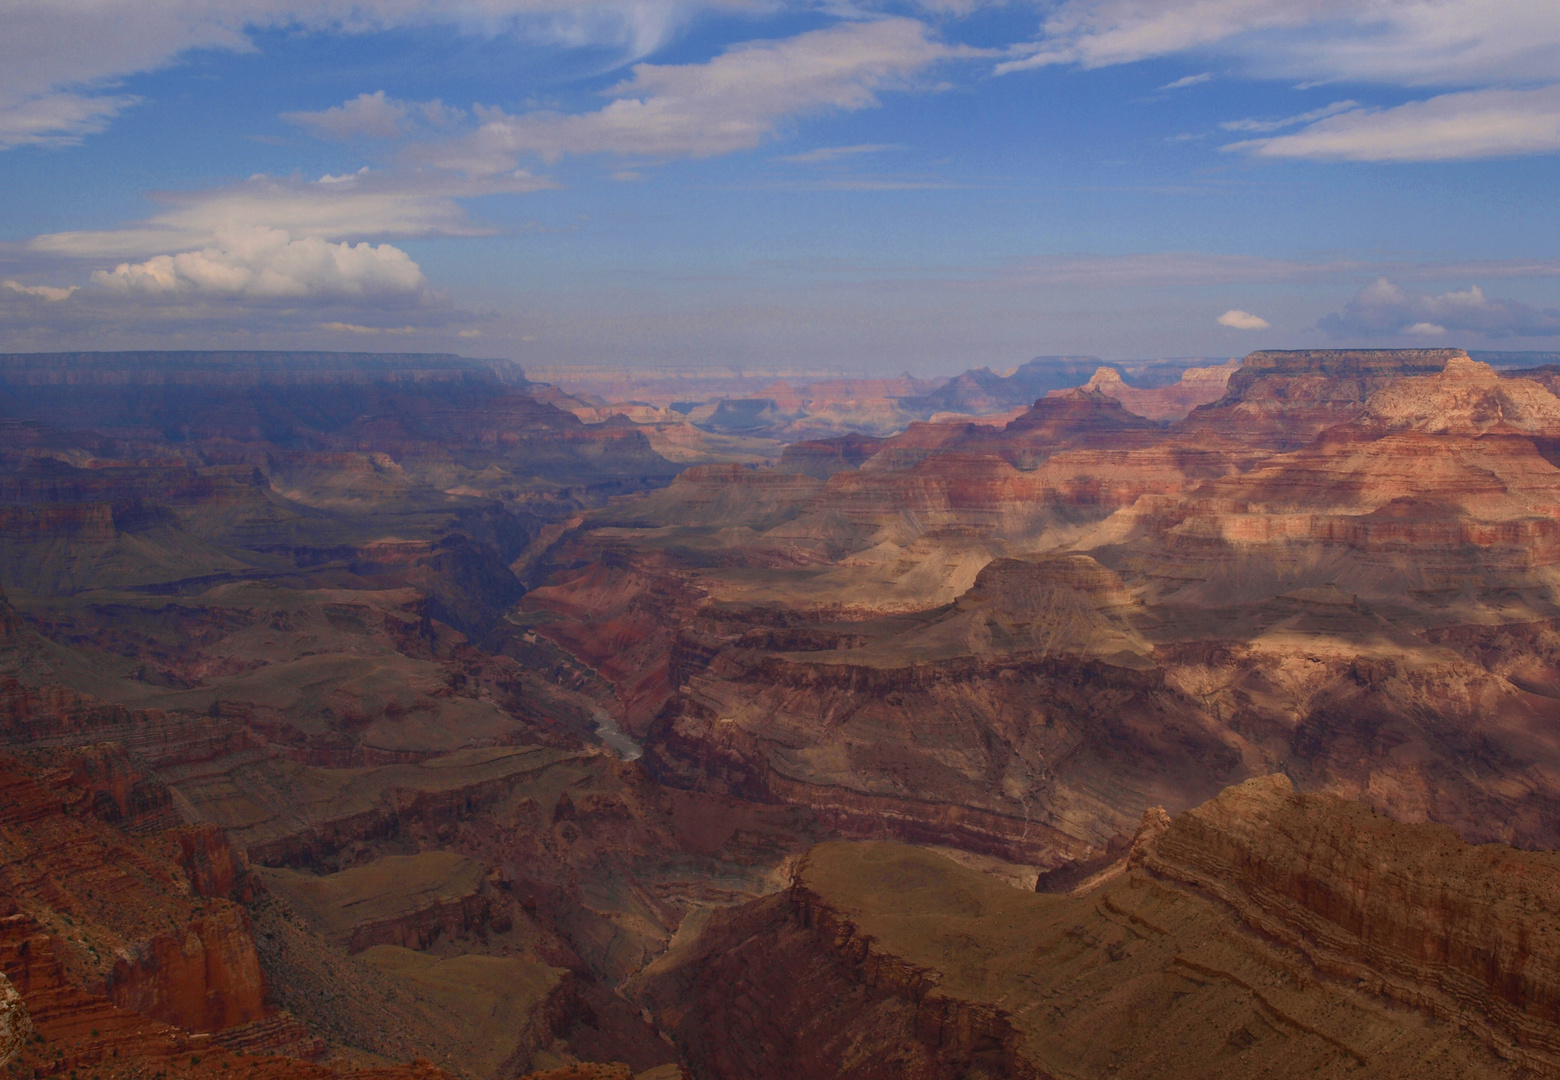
{"x":1263,"y":929}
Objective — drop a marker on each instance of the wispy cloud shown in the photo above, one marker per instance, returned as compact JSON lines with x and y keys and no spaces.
{"x":1461,"y":126}
{"x":1290,"y":121}
{"x":1403,"y":42}
{"x":358,"y":328}
{"x":732,"y":102}
{"x":59,"y":61}
{"x":58,"y":119}
{"x":1188,"y":80}
{"x":826,"y":154}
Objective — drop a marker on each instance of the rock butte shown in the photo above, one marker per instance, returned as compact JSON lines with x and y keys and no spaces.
{"x":1149,"y":730}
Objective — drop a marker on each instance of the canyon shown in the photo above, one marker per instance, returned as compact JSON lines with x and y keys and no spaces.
{"x":398,"y":715}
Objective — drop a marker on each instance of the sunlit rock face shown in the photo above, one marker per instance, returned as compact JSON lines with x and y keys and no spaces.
{"x":1343,"y":567}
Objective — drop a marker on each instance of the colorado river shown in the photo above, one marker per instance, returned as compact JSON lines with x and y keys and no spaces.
{"x":607,"y":731}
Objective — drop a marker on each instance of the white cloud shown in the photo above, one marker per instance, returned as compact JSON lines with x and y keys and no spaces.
{"x":58,"y":119}
{"x":1243,"y":320}
{"x":267,"y":264}
{"x":58,"y":58}
{"x":1404,"y":42}
{"x":1383,"y":307}
{"x":1461,"y":126}
{"x":332,"y":208}
{"x":374,"y":116}
{"x":1290,"y":121}
{"x":358,"y":328}
{"x":1188,"y":80}
{"x":51,"y":293}
{"x":825,"y":154}
{"x":730,"y":103}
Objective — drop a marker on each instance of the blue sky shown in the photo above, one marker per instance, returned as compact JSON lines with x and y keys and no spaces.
{"x":791,"y":186}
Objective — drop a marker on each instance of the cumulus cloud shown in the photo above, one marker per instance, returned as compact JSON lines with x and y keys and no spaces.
{"x":1404,"y":42}
{"x":267,"y":264}
{"x":374,"y":116}
{"x":730,"y":103}
{"x":1383,"y":307}
{"x":1243,"y":320}
{"x":1461,"y":126}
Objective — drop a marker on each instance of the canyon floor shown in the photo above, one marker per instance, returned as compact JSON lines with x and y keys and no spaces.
{"x":396,"y":716}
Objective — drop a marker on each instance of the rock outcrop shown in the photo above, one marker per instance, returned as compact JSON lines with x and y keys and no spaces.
{"x":1197,"y":386}
{"x":16,"y":1028}
{"x":1285,"y":399}
{"x":1465,"y":933}
{"x":1300,"y":934}
{"x":409,"y":901}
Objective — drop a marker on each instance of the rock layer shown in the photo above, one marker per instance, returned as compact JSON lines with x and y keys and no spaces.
{"x":1263,"y":930}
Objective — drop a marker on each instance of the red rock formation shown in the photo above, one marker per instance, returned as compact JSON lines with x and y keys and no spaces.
{"x":1464,"y":932}
{"x":1285,"y":399}
{"x":1263,"y":930}
{"x":1198,"y":386}
{"x":138,"y":933}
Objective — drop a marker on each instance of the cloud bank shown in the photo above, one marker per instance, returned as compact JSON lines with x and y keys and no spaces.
{"x":1383,"y":307}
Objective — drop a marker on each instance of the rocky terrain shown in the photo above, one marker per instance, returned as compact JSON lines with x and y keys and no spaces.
{"x":1017,"y":639}
{"x":400,"y":716}
{"x":1263,"y":933}
{"x":284,"y":778}
{"x":716,"y":419}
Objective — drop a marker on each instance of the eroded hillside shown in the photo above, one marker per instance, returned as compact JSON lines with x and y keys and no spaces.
{"x":377,"y":714}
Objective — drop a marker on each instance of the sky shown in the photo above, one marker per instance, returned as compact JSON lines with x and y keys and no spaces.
{"x":780,"y":185}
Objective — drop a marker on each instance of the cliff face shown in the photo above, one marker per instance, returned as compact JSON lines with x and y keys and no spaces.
{"x":16,"y":1028}
{"x":141,"y":931}
{"x":1285,"y":399}
{"x":1463,"y":932}
{"x":1262,"y":930}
